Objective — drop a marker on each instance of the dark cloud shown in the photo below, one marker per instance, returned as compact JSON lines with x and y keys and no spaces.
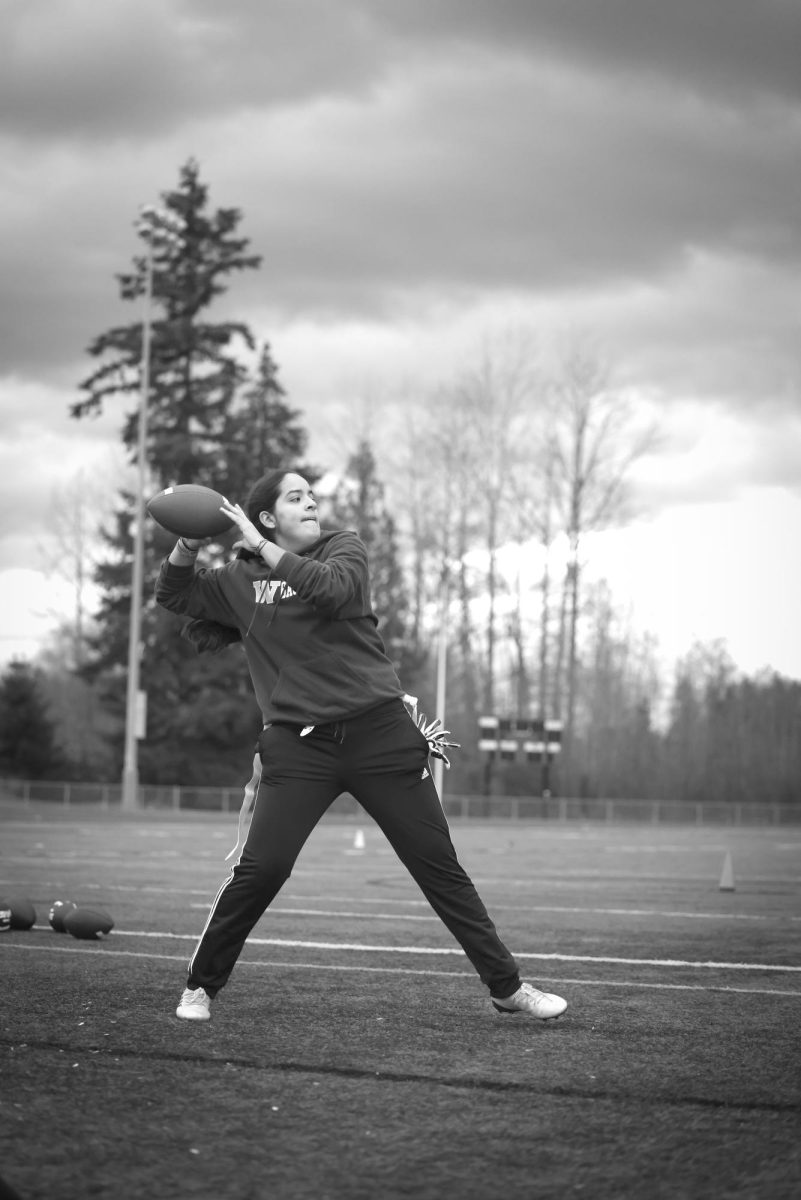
{"x":512,"y":180}
{"x":124,"y":69}
{"x":486,"y":177}
{"x":736,"y":47}
{"x":383,"y":153}
{"x":79,"y":70}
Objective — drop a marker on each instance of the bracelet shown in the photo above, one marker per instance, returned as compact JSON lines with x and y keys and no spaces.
{"x":184,"y":549}
{"x":261,"y":546}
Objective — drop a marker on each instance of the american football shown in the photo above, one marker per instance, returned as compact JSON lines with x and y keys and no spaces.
{"x":189,"y":510}
{"x":21,"y":913}
{"x":60,"y":909}
{"x":88,"y":923}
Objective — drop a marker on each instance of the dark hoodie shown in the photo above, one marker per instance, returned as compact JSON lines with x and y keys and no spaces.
{"x":310,"y":635}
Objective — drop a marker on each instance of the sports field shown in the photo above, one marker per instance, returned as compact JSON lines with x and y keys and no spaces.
{"x":354,"y":1053}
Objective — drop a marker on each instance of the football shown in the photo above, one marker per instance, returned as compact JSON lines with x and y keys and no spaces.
{"x":88,"y":923}
{"x":23,"y":914}
{"x":189,"y":510}
{"x":60,"y":909}
{"x":16,"y":912}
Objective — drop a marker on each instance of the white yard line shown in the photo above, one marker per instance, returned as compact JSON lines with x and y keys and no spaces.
{"x":411,"y":902}
{"x":107,"y":951}
{"x":278,"y":909}
{"x":368,"y":948}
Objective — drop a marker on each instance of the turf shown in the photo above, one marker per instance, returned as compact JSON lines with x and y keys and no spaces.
{"x":339,"y":1072}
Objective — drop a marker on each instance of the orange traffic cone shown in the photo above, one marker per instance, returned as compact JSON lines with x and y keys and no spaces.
{"x":727,"y":875}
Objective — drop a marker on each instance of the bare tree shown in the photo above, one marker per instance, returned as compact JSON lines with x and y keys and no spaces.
{"x":69,"y":551}
{"x":595,"y":440}
{"x":68,"y":548}
{"x":495,"y":399}
{"x":619,"y":695}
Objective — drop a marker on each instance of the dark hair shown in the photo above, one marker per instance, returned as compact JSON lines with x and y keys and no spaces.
{"x":264,"y":495}
{"x":209,"y":637}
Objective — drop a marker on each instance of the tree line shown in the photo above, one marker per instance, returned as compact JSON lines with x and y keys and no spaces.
{"x":475,"y":521}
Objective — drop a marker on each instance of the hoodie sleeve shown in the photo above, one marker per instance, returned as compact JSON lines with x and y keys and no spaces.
{"x":194,"y":592}
{"x":338,"y":585}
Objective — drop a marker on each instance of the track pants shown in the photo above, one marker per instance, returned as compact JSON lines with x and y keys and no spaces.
{"x":381,"y":758}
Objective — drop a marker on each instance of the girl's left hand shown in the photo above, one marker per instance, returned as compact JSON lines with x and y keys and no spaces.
{"x":435,"y":735}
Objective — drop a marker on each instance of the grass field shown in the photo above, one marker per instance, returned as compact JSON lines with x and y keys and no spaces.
{"x":354,"y":1053}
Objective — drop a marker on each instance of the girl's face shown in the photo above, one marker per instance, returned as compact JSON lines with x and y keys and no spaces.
{"x":294,"y":517}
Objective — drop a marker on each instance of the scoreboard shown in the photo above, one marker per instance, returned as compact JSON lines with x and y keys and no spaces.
{"x":508,"y":737}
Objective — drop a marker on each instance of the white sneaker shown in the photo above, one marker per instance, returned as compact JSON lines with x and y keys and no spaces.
{"x":528,"y":999}
{"x":195,"y":1005}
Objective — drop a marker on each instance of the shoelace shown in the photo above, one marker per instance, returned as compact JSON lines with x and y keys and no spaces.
{"x":530,"y":990}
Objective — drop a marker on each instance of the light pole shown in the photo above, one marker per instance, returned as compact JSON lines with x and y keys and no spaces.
{"x":155,"y":227}
{"x":442,"y":669}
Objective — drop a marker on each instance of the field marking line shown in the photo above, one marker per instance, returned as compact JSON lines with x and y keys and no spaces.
{"x":365,"y":948}
{"x":589,"y":884}
{"x":564,"y":881}
{"x":155,"y":889}
{"x":325,"y":912}
{"x":105,"y":950}
{"x":549,"y":908}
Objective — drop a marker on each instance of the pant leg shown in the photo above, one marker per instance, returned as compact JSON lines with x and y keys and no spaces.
{"x":405,"y":805}
{"x":297,"y":786}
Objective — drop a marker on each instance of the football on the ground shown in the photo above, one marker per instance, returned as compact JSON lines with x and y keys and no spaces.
{"x":88,"y":923}
{"x":60,"y":909}
{"x":189,"y":510}
{"x":17,"y":912}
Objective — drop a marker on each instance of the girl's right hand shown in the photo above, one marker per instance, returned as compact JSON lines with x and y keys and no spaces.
{"x":251,"y":538}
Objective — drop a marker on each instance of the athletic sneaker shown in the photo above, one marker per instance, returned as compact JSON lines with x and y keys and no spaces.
{"x":195,"y":1005}
{"x":528,"y":999}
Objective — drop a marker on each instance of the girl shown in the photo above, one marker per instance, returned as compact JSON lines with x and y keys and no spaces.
{"x":334,"y":721}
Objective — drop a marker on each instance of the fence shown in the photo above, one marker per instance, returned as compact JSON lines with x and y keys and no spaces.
{"x":107,"y":797}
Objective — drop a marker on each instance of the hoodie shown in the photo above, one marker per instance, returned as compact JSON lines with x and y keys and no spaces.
{"x":308,"y":628}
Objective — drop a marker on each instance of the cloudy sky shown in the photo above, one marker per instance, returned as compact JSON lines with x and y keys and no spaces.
{"x":417,"y":174}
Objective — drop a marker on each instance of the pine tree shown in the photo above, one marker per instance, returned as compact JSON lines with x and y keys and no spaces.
{"x":194,"y":371}
{"x":209,"y":423}
{"x":262,"y":433}
{"x":28,"y":746}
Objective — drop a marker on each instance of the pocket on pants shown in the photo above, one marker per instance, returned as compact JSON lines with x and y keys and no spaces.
{"x":389,"y":742}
